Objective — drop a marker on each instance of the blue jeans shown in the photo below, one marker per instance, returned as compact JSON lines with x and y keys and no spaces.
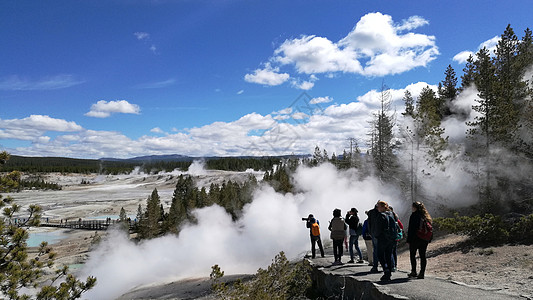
{"x":354,"y":240}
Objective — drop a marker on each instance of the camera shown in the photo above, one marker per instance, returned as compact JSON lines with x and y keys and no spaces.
{"x":305,"y":219}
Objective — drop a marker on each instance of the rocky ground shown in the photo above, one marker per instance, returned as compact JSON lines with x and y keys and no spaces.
{"x":507,"y":268}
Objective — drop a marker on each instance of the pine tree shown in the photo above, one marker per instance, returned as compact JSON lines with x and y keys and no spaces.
{"x":468,"y":77}
{"x":149,"y":223}
{"x":428,"y":121}
{"x":409,"y":104}
{"x":382,"y":144}
{"x":447,"y":92}
{"x":19,"y":270}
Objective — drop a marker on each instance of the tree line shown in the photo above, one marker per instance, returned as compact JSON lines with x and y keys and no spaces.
{"x":153,"y":220}
{"x":35,"y":165}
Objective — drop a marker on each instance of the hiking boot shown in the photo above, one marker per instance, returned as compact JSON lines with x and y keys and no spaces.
{"x":350,"y":261}
{"x":420,"y":276}
{"x":360,"y":261}
{"x":370,"y":264}
{"x":385,"y":277}
{"x":374,"y":270}
{"x":412,"y":275}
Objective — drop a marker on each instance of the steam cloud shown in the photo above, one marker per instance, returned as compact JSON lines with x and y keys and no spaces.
{"x":270,"y":224}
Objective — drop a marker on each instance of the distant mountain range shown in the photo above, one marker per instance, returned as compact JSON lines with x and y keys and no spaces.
{"x":178,"y":157}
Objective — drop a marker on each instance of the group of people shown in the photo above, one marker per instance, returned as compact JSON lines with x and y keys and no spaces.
{"x":381,"y":232}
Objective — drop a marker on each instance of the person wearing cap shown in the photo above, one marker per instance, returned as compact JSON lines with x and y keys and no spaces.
{"x":352,"y":219}
{"x":315,"y":239}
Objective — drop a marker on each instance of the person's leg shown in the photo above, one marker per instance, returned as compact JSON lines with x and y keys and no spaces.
{"x":375,"y":253}
{"x":313,"y":250}
{"x":319,"y":241}
{"x":387,"y":258}
{"x":370,"y":252}
{"x":350,"y":246}
{"x":394,"y":256}
{"x":412,"y":257}
{"x":423,"y":260}
{"x":337,"y":248}
{"x":340,"y":251}
{"x":356,"y":244}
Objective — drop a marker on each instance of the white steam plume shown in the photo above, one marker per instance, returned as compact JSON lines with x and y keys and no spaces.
{"x":270,"y":224}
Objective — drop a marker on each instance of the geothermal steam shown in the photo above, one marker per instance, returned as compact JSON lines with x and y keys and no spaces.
{"x":270,"y":224}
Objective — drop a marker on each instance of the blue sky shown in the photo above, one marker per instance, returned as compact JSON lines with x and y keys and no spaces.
{"x":91,"y":79}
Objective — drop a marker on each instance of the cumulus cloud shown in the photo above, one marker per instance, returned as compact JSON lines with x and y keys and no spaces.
{"x":376,"y":46}
{"x":156,"y":130}
{"x":16,"y":83}
{"x":462,"y":56}
{"x":267,"y":76}
{"x":490,"y":44}
{"x":104,"y":109}
{"x":33,"y":127}
{"x":295,"y":129}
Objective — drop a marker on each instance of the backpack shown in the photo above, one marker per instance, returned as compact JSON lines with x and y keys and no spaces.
{"x":315,"y":229}
{"x":392,"y":228}
{"x":425,"y":230}
{"x":359,"y":230}
{"x":338,"y":230}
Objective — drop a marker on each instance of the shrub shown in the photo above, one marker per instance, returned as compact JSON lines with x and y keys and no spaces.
{"x":281,"y":280}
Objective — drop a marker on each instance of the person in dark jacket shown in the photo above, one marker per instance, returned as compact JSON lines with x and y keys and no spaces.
{"x":338,"y":233}
{"x":353,"y":224}
{"x":385,"y":241}
{"x":416,"y":243}
{"x":373,"y":217}
{"x":314,"y":239}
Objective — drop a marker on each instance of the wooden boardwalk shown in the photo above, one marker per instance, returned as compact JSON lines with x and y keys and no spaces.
{"x":83,"y":224}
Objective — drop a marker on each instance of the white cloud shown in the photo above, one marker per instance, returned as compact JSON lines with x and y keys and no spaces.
{"x":240,"y":92}
{"x":303,"y":85}
{"x":142,"y":35}
{"x":312,"y":54}
{"x":15,"y":83}
{"x":103,"y":109}
{"x":375,"y":47}
{"x":267,"y":76}
{"x":290,"y":130}
{"x":462,"y":56}
{"x":490,"y":44}
{"x":318,"y":100}
{"x":33,"y":127}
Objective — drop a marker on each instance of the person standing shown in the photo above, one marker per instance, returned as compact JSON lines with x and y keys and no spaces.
{"x":395,"y":244}
{"x":368,"y":241}
{"x":418,"y":217}
{"x":338,"y":233}
{"x":353,"y":224}
{"x":314,"y":232}
{"x":386,"y":236}
{"x":373,"y":217}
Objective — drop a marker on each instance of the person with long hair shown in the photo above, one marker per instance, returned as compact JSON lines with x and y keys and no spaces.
{"x":416,"y":243}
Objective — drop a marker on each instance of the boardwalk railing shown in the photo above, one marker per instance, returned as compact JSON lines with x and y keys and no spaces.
{"x":84,"y":224}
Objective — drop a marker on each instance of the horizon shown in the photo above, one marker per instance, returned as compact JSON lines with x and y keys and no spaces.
{"x":233,"y":78}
